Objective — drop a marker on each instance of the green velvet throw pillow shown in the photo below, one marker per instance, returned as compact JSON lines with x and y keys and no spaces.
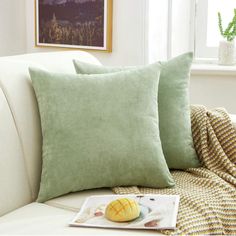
{"x":173,"y":105}
{"x":99,"y":131}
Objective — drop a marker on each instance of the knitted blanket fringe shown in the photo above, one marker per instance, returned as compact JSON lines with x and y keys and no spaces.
{"x":207,"y":194}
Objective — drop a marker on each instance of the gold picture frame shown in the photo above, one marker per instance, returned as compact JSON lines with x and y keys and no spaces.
{"x":63,"y":28}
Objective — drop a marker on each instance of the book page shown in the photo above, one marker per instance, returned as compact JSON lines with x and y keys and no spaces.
{"x":156,"y":212}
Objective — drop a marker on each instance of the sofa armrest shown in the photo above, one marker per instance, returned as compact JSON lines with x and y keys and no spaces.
{"x":233,"y":118}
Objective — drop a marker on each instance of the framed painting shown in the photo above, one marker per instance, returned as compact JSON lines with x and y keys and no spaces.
{"x":81,"y":24}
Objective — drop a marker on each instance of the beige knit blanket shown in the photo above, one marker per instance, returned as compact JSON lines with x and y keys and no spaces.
{"x":207,"y":194}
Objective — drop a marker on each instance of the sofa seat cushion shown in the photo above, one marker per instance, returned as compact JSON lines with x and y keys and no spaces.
{"x":41,"y":219}
{"x":36,"y":218}
{"x":74,"y":201}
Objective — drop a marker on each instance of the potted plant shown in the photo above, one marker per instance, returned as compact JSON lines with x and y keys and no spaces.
{"x":226,"y":47}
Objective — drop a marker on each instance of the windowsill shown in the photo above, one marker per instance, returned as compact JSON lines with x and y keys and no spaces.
{"x":213,"y":69}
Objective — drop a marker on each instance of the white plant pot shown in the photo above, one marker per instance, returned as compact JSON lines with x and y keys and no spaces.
{"x":226,"y":53}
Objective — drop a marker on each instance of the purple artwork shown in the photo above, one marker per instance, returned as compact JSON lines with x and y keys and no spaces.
{"x":72,"y":23}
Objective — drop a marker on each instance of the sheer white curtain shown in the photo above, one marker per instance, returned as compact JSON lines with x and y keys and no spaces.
{"x":158,"y":30}
{"x":170,"y":28}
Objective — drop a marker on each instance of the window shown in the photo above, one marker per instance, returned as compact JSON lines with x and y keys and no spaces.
{"x":158,"y":30}
{"x":170,"y":31}
{"x":207,"y":34}
{"x":178,"y":26}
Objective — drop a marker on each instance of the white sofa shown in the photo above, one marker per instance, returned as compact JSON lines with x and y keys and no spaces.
{"x":20,"y":153}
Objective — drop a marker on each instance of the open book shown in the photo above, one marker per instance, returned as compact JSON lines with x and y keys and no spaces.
{"x":156,"y":212}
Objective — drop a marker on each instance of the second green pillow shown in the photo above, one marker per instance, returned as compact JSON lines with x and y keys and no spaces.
{"x":173,"y":105}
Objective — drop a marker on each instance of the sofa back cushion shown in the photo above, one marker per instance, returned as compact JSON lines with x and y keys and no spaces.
{"x":20,"y":131}
{"x":15,"y":190}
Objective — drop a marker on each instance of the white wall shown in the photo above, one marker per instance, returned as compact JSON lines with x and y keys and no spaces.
{"x":129,"y":44}
{"x":12,"y":27}
{"x":129,"y":35}
{"x":214,"y":90}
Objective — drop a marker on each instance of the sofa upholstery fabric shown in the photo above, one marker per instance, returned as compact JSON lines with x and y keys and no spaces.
{"x":20,"y":159}
{"x":41,"y":219}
